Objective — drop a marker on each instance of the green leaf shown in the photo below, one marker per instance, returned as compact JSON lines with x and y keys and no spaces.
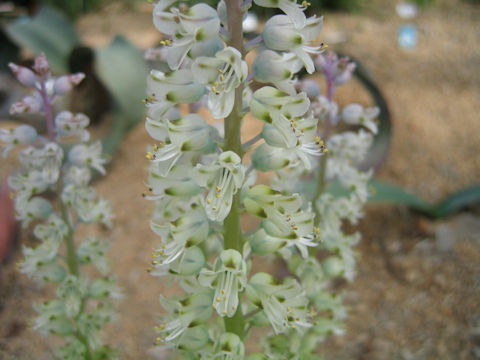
{"x":457,"y":201}
{"x":384,"y":192}
{"x":123,"y":70}
{"x":49,"y":32}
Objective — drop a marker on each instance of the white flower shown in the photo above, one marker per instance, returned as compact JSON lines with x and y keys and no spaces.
{"x":281,"y":110}
{"x":68,"y":124}
{"x":47,"y":160}
{"x":24,"y":75}
{"x":224,"y":179}
{"x":79,"y":176}
{"x":179,"y":182}
{"x":188,"y":230}
{"x":187,"y":27}
{"x":88,"y":155}
{"x":229,"y":276}
{"x":222,"y":74}
{"x":280,"y":34}
{"x":355,"y":114}
{"x":285,"y":225}
{"x":290,"y":7}
{"x":278,"y":69}
{"x":191,"y":309}
{"x":284,"y":304}
{"x":21,"y":135}
{"x":187,"y":134}
{"x":166,"y":90}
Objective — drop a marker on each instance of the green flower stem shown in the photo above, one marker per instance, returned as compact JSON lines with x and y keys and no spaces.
{"x":72,"y":263}
{"x":232,"y":227}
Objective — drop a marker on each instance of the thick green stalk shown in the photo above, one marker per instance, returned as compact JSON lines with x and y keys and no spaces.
{"x":232,"y":227}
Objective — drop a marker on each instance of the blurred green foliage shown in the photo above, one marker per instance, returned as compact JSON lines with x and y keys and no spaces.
{"x":74,"y":8}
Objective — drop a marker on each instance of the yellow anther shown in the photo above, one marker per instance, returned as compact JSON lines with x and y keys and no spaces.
{"x":220,"y":71}
{"x":306,"y":3}
{"x":215,"y":83}
{"x":158,"y":339}
{"x":217,"y":195}
{"x":214,"y":89}
{"x":155,"y":147}
{"x":227,"y":203}
{"x":325,"y":150}
{"x":293,"y":327}
{"x":214,"y":306}
{"x":224,"y":311}
{"x":317,"y":139}
{"x":316,"y":229}
{"x":168,"y":42}
{"x":162,"y":326}
{"x":222,"y":78}
{"x":294,"y":227}
{"x":156,"y":328}
{"x":154,"y":262}
{"x":163,"y":42}
{"x":218,"y":299}
{"x":223,"y":291}
{"x":209,"y":201}
{"x":161,"y":144}
{"x":214,"y":207}
{"x":218,"y":188}
{"x":144,"y":101}
{"x":160,"y":252}
{"x":223,"y":88}
{"x":289,"y":308}
{"x":302,"y":130}
{"x":149,"y":155}
{"x":149,"y":269}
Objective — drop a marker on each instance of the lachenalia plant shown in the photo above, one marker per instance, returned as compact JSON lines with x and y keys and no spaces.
{"x":52,"y":191}
{"x":202,"y":184}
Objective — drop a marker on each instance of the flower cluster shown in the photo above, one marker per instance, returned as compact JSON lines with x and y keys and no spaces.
{"x":201,"y":183}
{"x":61,"y":164}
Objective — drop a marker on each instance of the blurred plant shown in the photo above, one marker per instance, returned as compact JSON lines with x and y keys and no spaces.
{"x":202,"y":183}
{"x":52,"y":191}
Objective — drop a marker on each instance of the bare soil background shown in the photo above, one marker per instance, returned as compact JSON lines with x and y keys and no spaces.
{"x":417,"y":293}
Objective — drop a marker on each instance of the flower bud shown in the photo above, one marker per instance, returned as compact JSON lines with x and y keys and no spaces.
{"x":24,"y":75}
{"x":41,"y":66}
{"x":65,"y":83}
{"x":333,"y":266}
{"x":268,"y":158}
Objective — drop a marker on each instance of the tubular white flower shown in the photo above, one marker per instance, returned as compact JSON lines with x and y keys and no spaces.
{"x":223,"y":179}
{"x":286,"y":223}
{"x":222,"y":75}
{"x":281,"y":110}
{"x":278,"y":69}
{"x":284,"y":304}
{"x":186,"y":231}
{"x":187,"y":27}
{"x":280,"y":34}
{"x":189,"y":133}
{"x":189,"y":311}
{"x":229,"y":276}
{"x":165,"y":90}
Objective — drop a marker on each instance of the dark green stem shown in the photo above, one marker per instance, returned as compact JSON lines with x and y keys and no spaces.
{"x":233,"y":238}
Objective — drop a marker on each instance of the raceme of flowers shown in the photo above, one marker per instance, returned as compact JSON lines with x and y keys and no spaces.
{"x":201,"y":183}
{"x":62,"y":164}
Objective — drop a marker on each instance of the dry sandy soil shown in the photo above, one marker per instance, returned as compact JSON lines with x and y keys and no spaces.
{"x":417,"y":293}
